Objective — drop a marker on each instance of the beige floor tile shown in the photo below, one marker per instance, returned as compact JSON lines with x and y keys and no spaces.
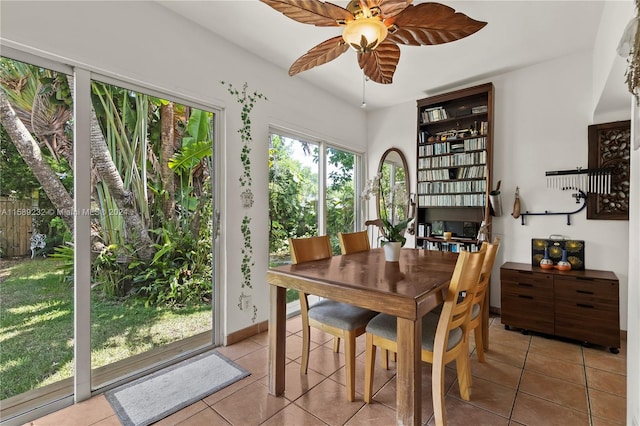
{"x":327,"y":402}
{"x":83,"y":413}
{"x":553,"y":367}
{"x":461,"y":413}
{"x":534,"y":411}
{"x":239,"y":349}
{"x":608,"y":406}
{"x":487,"y":395}
{"x":262,"y":339}
{"x":256,"y":362}
{"x":294,"y":324}
{"x":251,"y":406}
{"x":496,"y":371}
{"x":297,"y":383}
{"x":109,"y":421}
{"x":605,"y":360}
{"x":373,"y":414}
{"x":558,"y":391}
{"x":553,"y":348}
{"x":293,"y":415}
{"x":557,"y":383}
{"x":507,"y":354}
{"x":205,"y":417}
{"x":387,"y":394}
{"x":324,"y":361}
{"x":294,"y":347}
{"x":597,"y":421}
{"x":380,"y":376}
{"x":232,"y":388}
{"x":607,"y":382}
{"x":512,"y":338}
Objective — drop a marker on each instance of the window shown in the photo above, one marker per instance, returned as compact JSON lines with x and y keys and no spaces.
{"x":313,"y":190}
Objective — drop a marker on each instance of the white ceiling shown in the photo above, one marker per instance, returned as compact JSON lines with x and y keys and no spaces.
{"x":518,"y":34}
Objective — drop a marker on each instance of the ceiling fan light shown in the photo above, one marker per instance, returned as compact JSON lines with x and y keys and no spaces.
{"x":364,"y":34}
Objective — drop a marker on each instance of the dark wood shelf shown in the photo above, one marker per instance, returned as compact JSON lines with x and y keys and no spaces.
{"x":468,"y":216}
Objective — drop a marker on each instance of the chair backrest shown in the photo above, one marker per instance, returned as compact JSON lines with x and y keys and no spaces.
{"x":490,"y":250}
{"x":456,"y":310}
{"x":310,"y":248}
{"x":353,"y":242}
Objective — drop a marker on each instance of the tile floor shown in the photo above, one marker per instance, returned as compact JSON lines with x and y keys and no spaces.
{"x":527,"y":380}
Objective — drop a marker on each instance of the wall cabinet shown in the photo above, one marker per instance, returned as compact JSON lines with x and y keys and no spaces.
{"x":454,"y":146}
{"x":580,"y":305}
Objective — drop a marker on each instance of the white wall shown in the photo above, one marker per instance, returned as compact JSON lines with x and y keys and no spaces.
{"x":633,"y":340}
{"x":144,"y":43}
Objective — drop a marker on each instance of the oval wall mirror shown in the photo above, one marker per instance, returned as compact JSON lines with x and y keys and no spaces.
{"x":393,"y":195}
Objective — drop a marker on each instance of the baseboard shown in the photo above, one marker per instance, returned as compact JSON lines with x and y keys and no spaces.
{"x":245,"y":333}
{"x":494,"y":310}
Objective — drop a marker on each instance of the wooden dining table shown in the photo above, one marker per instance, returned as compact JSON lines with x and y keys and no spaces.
{"x":407,"y":289}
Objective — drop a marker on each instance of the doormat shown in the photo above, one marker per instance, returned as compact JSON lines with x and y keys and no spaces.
{"x":154,"y":397}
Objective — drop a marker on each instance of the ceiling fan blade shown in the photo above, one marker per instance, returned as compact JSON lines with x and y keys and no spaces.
{"x":389,"y":8}
{"x":380,"y":64}
{"x":312,"y":12}
{"x":431,"y":23}
{"x":326,"y":51}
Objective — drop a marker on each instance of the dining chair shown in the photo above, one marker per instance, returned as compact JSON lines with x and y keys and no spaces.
{"x":444,"y":335}
{"x":479,"y":295}
{"x":353,"y":242}
{"x":341,"y":320}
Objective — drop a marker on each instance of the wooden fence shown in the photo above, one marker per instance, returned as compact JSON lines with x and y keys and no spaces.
{"x":15,"y":227}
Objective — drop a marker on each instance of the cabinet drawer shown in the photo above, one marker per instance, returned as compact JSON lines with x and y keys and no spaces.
{"x":602,"y":294}
{"x":586,"y":295}
{"x":528,"y":290}
{"x":597,"y":328}
{"x":528,"y":312}
{"x":525,"y":277}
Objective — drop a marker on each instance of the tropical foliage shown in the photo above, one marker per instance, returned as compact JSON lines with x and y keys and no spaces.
{"x":151,"y":187}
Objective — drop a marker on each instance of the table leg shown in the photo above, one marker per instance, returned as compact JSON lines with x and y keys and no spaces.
{"x":277,"y":339}
{"x":409,"y":372}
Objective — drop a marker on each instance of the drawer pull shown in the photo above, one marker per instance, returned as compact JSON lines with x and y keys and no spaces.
{"x":584,"y":278}
{"x":525,"y":285}
{"x":582,"y":305}
{"x":584,"y":292}
{"x":525,"y":296}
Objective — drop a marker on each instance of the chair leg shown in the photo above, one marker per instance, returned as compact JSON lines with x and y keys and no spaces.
{"x":384,"y":359}
{"x":336,"y":344}
{"x":464,"y":375}
{"x":370,"y":362}
{"x":306,"y":331}
{"x":350,"y":364}
{"x":477,"y":333}
{"x":437,"y":391}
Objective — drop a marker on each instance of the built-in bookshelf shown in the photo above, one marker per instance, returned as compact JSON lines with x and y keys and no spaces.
{"x":454,"y":146}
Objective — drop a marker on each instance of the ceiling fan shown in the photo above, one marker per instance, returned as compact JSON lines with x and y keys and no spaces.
{"x":374,"y":28}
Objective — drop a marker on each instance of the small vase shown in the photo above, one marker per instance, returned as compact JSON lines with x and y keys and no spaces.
{"x":546,"y":262}
{"x":563,"y":265}
{"x":392,"y":251}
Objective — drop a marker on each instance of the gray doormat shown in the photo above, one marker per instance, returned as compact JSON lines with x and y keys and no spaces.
{"x":154,"y":397}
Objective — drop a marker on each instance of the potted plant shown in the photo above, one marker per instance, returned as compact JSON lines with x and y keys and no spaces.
{"x":392,"y":222}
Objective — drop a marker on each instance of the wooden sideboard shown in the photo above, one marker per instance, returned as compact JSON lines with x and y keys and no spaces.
{"x":579,"y":305}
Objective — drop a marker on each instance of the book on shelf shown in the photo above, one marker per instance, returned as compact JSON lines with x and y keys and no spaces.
{"x":430,"y":115}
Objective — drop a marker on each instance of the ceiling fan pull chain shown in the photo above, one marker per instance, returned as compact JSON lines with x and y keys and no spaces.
{"x":364,"y":80}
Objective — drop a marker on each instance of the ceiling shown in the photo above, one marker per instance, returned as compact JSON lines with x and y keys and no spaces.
{"x":518,"y":34}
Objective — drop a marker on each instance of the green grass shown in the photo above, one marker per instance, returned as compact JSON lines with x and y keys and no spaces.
{"x":36,"y":327}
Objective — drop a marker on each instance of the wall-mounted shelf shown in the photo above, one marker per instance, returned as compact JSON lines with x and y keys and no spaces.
{"x":580,"y":195}
{"x":596,"y":181}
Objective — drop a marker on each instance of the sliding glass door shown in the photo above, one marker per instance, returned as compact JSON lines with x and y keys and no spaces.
{"x":134,"y":290}
{"x":153,"y":204}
